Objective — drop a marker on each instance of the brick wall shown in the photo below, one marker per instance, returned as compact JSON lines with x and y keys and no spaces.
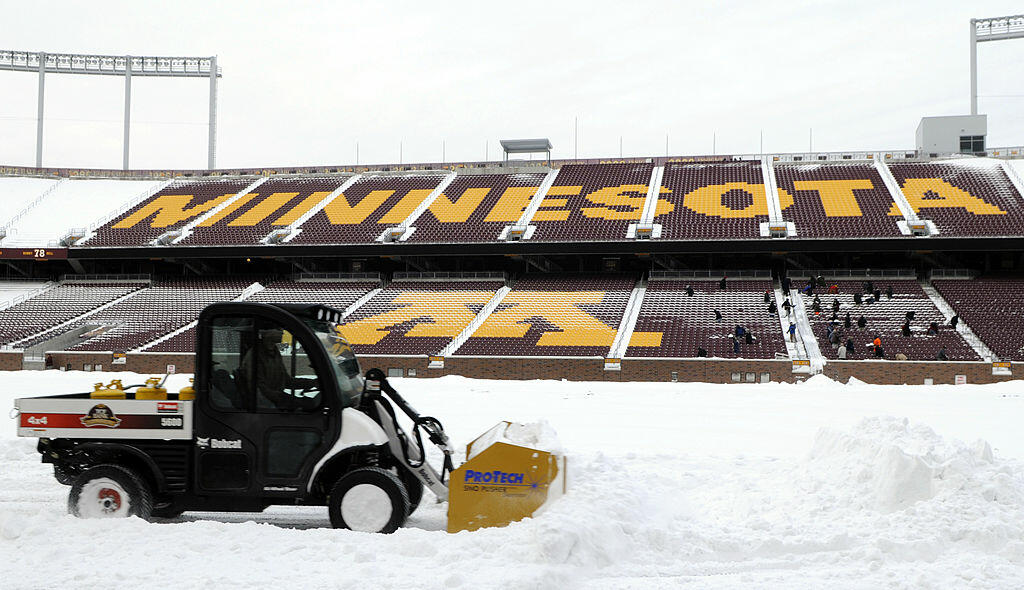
{"x":576,"y":369}
{"x":10,"y":361}
{"x":156,"y":363}
{"x":583,"y":369}
{"x":76,"y":361}
{"x":915,"y":372}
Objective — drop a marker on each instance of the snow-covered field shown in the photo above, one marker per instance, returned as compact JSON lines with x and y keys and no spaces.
{"x":818,"y":485}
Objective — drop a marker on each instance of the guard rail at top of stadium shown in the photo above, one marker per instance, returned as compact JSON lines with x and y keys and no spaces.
{"x":1010,"y":152}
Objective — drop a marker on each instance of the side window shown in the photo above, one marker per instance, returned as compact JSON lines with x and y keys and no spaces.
{"x":279,"y":372}
{"x":228,"y":385}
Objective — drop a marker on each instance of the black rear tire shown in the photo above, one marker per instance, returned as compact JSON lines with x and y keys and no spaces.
{"x":413,"y":487}
{"x":368,"y":499}
{"x":110,"y":491}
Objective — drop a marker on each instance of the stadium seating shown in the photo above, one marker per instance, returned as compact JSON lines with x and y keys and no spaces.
{"x":567,"y":315}
{"x":475,"y":208}
{"x":276,"y":203}
{"x":367,"y":208}
{"x":963,"y":197}
{"x":993,"y":308}
{"x":590,"y":202}
{"x":151,"y":313}
{"x":712,"y":201}
{"x":416,"y":317}
{"x":178,"y":204}
{"x":672,"y":324}
{"x":836,"y":200}
{"x":56,"y":306}
{"x":336,"y":294}
{"x":885,"y":319}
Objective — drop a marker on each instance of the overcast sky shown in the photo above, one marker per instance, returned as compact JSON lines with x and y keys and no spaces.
{"x":305,"y":81}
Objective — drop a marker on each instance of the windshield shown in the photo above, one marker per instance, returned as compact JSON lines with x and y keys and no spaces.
{"x":344,"y":363}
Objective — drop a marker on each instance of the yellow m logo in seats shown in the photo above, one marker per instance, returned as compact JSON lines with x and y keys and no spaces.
{"x":558,"y":308}
{"x":444,"y":314}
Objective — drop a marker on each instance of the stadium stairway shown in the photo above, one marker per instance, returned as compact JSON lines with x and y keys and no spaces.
{"x":626,"y":326}
{"x":807,"y":337}
{"x":965,"y":330}
{"x":531,"y":209}
{"x":909,"y":215}
{"x":467,"y":332}
{"x":295,"y":228}
{"x":408,"y":224}
{"x":796,"y":350}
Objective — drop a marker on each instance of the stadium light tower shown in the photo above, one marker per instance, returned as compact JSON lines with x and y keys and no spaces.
{"x":990,"y":29}
{"x":115,"y":65}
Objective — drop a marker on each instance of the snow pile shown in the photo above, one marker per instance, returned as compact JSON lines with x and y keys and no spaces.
{"x":535,"y":435}
{"x":672,"y":485}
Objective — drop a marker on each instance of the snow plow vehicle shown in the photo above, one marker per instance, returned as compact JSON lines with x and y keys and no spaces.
{"x":280,"y":414}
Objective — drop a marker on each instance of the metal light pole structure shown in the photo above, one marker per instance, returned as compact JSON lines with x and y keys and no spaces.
{"x":115,"y":65}
{"x":990,"y":29}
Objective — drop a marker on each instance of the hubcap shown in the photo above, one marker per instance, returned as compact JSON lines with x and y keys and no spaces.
{"x":103,"y":498}
{"x":366,"y":507}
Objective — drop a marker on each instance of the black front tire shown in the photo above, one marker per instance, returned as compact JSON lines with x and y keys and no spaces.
{"x":368,"y":499}
{"x":110,"y":491}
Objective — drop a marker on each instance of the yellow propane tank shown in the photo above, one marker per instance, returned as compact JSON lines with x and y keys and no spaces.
{"x":152,"y":390}
{"x":113,"y":390}
{"x":502,"y":481}
{"x":188,"y":392}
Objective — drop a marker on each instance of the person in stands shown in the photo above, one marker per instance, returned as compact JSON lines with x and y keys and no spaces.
{"x":858,"y":298}
{"x":689,"y":291}
{"x":878,"y":295}
{"x":953,"y":321}
{"x":900,"y":356}
{"x":879,"y":352}
{"x":834,"y":289}
{"x":841,"y":353}
{"x":788,"y":306}
{"x":701,"y":352}
{"x":740,"y":330}
{"x":835,"y":305}
{"x":862,"y":322}
{"x":772,"y":308}
{"x":792,"y":332}
{"x":767,"y":296}
{"x":941,"y":356}
{"x":808,"y":288}
{"x":735,"y":345}
{"x":819,"y":281}
{"x":748,"y":337}
{"x":718,"y":316}
{"x":851,"y":347}
{"x":933,"y":328}
{"x":846,"y":321}
{"x":787,"y":284}
{"x":888,"y":291}
{"x":721,"y":283}
{"x":816,"y":306}
{"x":910,"y":316}
{"x":906,"y":329}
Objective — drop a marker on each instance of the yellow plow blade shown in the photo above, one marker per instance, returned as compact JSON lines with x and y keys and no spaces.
{"x":502,"y":482}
